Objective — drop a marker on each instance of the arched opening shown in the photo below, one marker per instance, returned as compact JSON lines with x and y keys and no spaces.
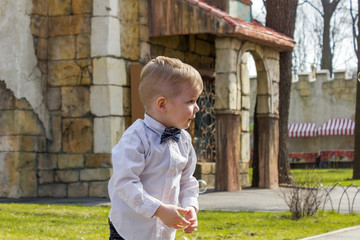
{"x":251,"y":65}
{"x":232,"y":112}
{"x":257,"y":105}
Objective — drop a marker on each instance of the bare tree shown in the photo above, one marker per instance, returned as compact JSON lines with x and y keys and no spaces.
{"x":303,"y":41}
{"x":355,"y":30}
{"x":341,"y":35}
{"x":309,"y":35}
{"x":281,"y":16}
{"x":328,"y":9}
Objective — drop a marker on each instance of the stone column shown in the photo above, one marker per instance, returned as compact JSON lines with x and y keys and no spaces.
{"x":267,"y":114}
{"x":228,"y":129}
{"x":245,"y":121}
{"x":109,"y":77}
{"x":268,"y":151}
{"x":228,"y":115}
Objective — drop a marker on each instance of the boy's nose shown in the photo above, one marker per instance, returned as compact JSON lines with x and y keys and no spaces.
{"x":196,"y":109}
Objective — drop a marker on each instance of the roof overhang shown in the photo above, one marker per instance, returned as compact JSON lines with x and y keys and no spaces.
{"x":183,"y":17}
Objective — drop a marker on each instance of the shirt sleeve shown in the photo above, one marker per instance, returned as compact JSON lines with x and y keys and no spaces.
{"x":189,"y":187}
{"x":128,"y":159}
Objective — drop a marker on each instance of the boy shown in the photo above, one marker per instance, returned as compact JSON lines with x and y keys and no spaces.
{"x":154,"y":161}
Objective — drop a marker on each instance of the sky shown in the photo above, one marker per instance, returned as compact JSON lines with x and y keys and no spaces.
{"x":345,"y":55}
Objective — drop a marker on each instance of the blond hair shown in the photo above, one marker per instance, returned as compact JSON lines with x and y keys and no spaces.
{"x":165,"y":76}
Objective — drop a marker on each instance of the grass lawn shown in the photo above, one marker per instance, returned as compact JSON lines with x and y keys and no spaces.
{"x":267,"y":226}
{"x":331,"y":176}
{"x":42,"y":221}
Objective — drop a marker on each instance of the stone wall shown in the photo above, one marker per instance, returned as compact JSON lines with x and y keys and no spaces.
{"x":206,"y":171}
{"x":46,"y":122}
{"x":65,"y":88}
{"x":196,"y":50}
{"x":77,"y":98}
{"x":22,"y":139}
{"x":19,"y":67}
{"x":24,"y":119}
{"x":91,"y":45}
{"x":62,"y":36}
{"x":318,"y":98}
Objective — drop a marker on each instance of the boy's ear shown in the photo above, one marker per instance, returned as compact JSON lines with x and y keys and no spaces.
{"x":161,"y":104}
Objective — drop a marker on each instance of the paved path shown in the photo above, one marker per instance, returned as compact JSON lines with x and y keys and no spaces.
{"x":246,"y":200}
{"x":352,"y":233}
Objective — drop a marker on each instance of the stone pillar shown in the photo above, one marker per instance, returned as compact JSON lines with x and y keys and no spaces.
{"x":227,"y":115}
{"x":228,"y":129}
{"x":267,"y":114}
{"x":107,"y":94}
{"x":268,"y":151}
{"x":245,"y":121}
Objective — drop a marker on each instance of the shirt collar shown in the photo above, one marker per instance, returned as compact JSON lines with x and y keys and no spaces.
{"x":154,"y":124}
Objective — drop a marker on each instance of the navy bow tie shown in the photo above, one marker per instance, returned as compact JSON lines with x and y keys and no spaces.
{"x":170,"y":133}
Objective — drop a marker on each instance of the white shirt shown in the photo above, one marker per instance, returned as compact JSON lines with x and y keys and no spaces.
{"x":146,"y":173}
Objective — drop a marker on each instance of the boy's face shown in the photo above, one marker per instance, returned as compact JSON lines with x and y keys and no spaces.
{"x":181,"y":109}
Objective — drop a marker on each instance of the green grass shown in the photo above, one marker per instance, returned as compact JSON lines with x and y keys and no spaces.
{"x":259,"y":225}
{"x":330,"y":177}
{"x":41,"y":221}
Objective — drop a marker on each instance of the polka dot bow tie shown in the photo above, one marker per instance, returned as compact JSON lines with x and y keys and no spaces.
{"x":170,"y":133}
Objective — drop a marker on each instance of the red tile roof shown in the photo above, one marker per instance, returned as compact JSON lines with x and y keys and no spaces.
{"x":197,"y":16}
{"x":248,"y":28}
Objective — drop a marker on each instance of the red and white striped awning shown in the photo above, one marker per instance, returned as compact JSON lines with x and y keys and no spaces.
{"x":338,"y":127}
{"x":302,"y":130}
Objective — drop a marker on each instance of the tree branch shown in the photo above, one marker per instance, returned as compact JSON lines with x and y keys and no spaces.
{"x":314,"y":7}
{"x":333,"y":5}
{"x":354,"y":23}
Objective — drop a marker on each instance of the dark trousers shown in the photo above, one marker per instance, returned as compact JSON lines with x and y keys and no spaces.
{"x":113,"y":233}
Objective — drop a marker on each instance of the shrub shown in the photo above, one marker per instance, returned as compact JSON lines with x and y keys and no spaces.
{"x":304,"y":195}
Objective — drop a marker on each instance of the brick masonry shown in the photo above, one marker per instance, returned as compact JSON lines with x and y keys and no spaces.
{"x":65,"y":164}
{"x":312,"y":93}
{"x":84,"y":51}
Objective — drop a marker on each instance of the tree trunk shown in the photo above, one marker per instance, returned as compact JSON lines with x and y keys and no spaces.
{"x":284,"y":105}
{"x":356,"y":169}
{"x":327,"y":53}
{"x":281,"y":16}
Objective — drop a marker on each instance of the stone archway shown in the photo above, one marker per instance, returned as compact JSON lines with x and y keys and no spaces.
{"x":232,"y":91}
{"x":267,"y":66}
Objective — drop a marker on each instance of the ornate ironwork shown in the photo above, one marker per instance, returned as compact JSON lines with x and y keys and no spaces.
{"x":204,"y":134}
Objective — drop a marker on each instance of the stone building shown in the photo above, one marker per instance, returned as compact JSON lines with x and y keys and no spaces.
{"x":318,"y":98}
{"x":327,"y":103}
{"x":68,"y":76}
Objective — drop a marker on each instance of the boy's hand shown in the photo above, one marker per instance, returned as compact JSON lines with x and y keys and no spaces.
{"x":192,"y":218}
{"x":170,"y":216}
